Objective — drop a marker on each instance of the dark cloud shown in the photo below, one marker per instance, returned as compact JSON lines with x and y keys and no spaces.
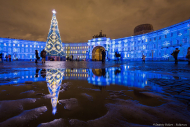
{"x":79,"y":20}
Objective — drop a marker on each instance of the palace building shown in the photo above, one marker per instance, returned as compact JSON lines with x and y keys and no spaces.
{"x":155,"y":45}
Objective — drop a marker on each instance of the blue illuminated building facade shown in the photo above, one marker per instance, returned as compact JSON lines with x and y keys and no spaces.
{"x":20,"y":49}
{"x":155,"y":45}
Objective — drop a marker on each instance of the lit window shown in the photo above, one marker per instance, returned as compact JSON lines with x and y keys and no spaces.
{"x":26,"y":45}
{"x":30,"y":45}
{"x":41,"y":46}
{"x":38,"y":46}
{"x":13,"y":44}
{"x":9,"y":44}
{"x":5,"y":44}
{"x":18,"y":44}
{"x":22,"y":45}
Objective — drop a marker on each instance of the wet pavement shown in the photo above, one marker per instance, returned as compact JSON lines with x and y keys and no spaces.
{"x":87,"y":93}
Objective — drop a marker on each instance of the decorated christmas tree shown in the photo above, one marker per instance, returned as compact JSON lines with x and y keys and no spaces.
{"x":54,"y":45}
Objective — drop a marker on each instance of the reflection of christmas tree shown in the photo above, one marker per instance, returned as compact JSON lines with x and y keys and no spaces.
{"x":54,"y":44}
{"x":54,"y":80}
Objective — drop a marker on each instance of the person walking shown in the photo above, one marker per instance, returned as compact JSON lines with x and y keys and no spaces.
{"x":37,"y":57}
{"x":188,"y":55}
{"x":143,"y":58}
{"x":43,"y":55}
{"x":6,"y":57}
{"x":9,"y":56}
{"x":78,"y":58}
{"x":1,"y":57}
{"x":71,"y":57}
{"x":175,"y":55}
{"x":103,"y":56}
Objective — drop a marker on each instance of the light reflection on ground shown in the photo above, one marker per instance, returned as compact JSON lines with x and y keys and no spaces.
{"x":83,"y":96}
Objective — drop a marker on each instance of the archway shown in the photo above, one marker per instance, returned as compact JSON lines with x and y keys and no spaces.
{"x":97,"y":53}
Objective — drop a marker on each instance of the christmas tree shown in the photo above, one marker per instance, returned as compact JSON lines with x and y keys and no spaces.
{"x":54,"y":45}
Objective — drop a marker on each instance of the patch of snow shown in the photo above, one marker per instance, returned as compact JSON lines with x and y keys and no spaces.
{"x":69,"y":103}
{"x":23,"y":119}
{"x":55,"y":123}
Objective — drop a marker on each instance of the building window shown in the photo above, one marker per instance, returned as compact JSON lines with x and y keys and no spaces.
{"x":18,"y":50}
{"x":150,"y":39}
{"x":26,"y":45}
{"x":9,"y":50}
{"x":30,"y":45}
{"x":18,"y":45}
{"x":22,"y":45}
{"x":5,"y":44}
{"x":185,"y":40}
{"x":185,"y":31}
{"x":165,"y":36}
{"x":171,"y":34}
{"x":171,"y":43}
{"x":159,"y":37}
{"x":178,"y":32}
{"x":154,"y":38}
{"x":13,"y":44}
{"x":177,"y":42}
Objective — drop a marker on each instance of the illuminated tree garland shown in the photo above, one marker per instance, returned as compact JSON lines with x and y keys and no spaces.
{"x":54,"y":44}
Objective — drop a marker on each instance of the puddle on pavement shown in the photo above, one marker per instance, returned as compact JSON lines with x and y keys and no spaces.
{"x":74,"y":93}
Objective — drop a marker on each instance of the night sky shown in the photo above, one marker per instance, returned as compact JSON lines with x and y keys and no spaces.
{"x":79,"y":20}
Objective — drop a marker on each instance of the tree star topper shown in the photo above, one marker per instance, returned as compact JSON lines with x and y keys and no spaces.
{"x":54,"y":12}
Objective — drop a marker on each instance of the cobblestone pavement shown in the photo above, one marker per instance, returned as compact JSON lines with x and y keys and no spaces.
{"x":178,"y":88}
